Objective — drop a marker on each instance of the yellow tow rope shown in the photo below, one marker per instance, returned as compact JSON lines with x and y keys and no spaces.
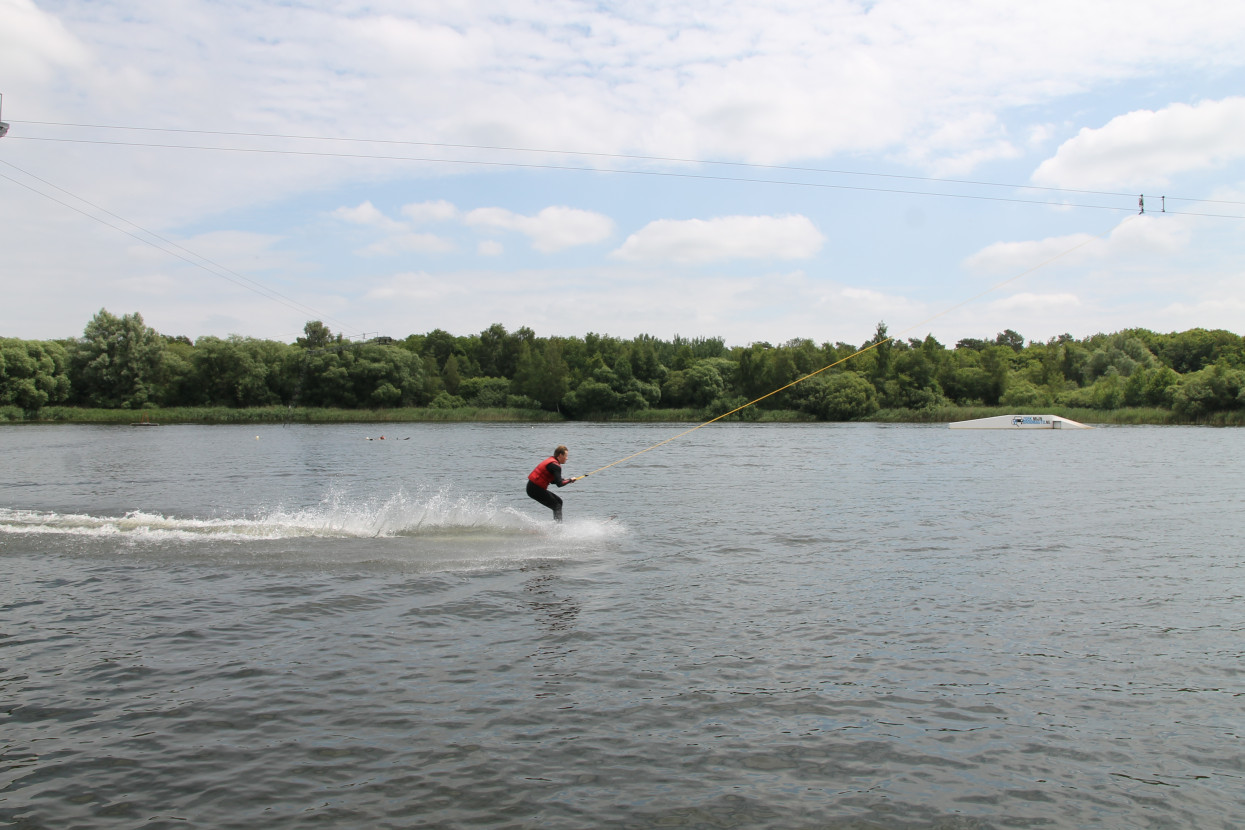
{"x":974,"y":298}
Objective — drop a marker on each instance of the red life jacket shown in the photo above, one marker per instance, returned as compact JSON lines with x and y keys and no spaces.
{"x":541,"y":476}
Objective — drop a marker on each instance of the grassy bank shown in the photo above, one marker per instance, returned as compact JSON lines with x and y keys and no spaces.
{"x":274,"y":415}
{"x":305,"y":415}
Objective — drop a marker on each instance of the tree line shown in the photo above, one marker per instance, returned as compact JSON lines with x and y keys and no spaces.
{"x":120,"y":362}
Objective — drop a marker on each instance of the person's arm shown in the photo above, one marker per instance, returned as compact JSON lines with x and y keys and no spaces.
{"x":555,"y":474}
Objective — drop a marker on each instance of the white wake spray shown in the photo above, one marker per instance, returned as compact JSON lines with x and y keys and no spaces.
{"x":429,"y":514}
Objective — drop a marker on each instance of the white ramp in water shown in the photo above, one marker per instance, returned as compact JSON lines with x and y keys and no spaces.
{"x":1020,"y":422}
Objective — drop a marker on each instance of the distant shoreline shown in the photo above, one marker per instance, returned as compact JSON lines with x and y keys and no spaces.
{"x":413,"y":415}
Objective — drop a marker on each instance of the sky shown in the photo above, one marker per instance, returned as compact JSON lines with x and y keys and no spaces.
{"x":754,"y":171}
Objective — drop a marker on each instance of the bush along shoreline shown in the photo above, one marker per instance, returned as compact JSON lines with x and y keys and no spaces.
{"x":120,"y":368}
{"x":415,"y":415}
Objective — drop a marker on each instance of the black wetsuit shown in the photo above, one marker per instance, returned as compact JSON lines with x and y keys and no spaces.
{"x":549,"y":471}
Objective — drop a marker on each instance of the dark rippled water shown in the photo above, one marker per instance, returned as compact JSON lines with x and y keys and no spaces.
{"x":821,"y":626}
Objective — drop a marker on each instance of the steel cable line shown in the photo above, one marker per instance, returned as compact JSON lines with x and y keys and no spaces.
{"x":658,"y":173}
{"x":627,"y":156}
{"x":572,"y":168}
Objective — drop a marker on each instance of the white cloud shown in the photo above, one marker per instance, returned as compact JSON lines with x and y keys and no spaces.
{"x":959,"y":145}
{"x":422,"y":243}
{"x":697,"y":241}
{"x":398,"y":237}
{"x":962,"y":163}
{"x":1012,"y":258}
{"x":626,"y":300}
{"x":1030,"y":302}
{"x":418,"y":286}
{"x":417,"y":45}
{"x":553,"y":229}
{"x":368,"y":215}
{"x":1146,"y":148}
{"x":1039,"y":134}
{"x":33,"y":43}
{"x":843,"y":84}
{"x":1152,"y":233}
{"x":438,"y":211}
{"x":757,"y":81}
{"x":868,"y":306}
{"x":1136,"y":236}
{"x":152,"y":285}
{"x":241,"y":250}
{"x":870,"y":302}
{"x":1215,"y":313}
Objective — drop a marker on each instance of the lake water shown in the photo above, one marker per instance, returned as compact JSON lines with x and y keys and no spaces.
{"x":787,"y":626}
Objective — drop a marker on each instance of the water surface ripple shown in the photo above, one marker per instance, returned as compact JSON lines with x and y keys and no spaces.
{"x":829,"y":626}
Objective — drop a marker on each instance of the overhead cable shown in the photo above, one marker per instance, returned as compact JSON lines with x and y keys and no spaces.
{"x":623,"y":156}
{"x":572,"y":168}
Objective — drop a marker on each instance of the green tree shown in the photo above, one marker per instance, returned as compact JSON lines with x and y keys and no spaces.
{"x":1024,"y":394}
{"x":367,"y":374}
{"x":241,"y":371}
{"x":179,"y":386}
{"x":913,"y":383}
{"x":699,"y":385}
{"x":497,"y":351}
{"x":592,"y":397}
{"x":841,"y":396}
{"x":439,"y":345}
{"x":117,"y":363}
{"x":1105,"y":393}
{"x":1155,"y":386}
{"x":1161,"y":385}
{"x":316,"y":335}
{"x":644,"y":360}
{"x":1216,"y":388}
{"x":33,"y":373}
{"x":1117,"y":352}
{"x":1043,"y":366}
{"x":997,"y":363}
{"x":1195,"y":349}
{"x":486,"y":392}
{"x":450,"y":376}
{"x":763,"y":369}
{"x":444,"y":400}
{"x":376,"y":371}
{"x":882,"y":351}
{"x":541,"y":374}
{"x":971,"y":376}
{"x":1073,"y":359}
{"x":1011,"y":339}
{"x":805,"y":355}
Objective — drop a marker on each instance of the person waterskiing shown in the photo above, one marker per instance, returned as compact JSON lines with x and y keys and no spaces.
{"x":549,"y":472}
